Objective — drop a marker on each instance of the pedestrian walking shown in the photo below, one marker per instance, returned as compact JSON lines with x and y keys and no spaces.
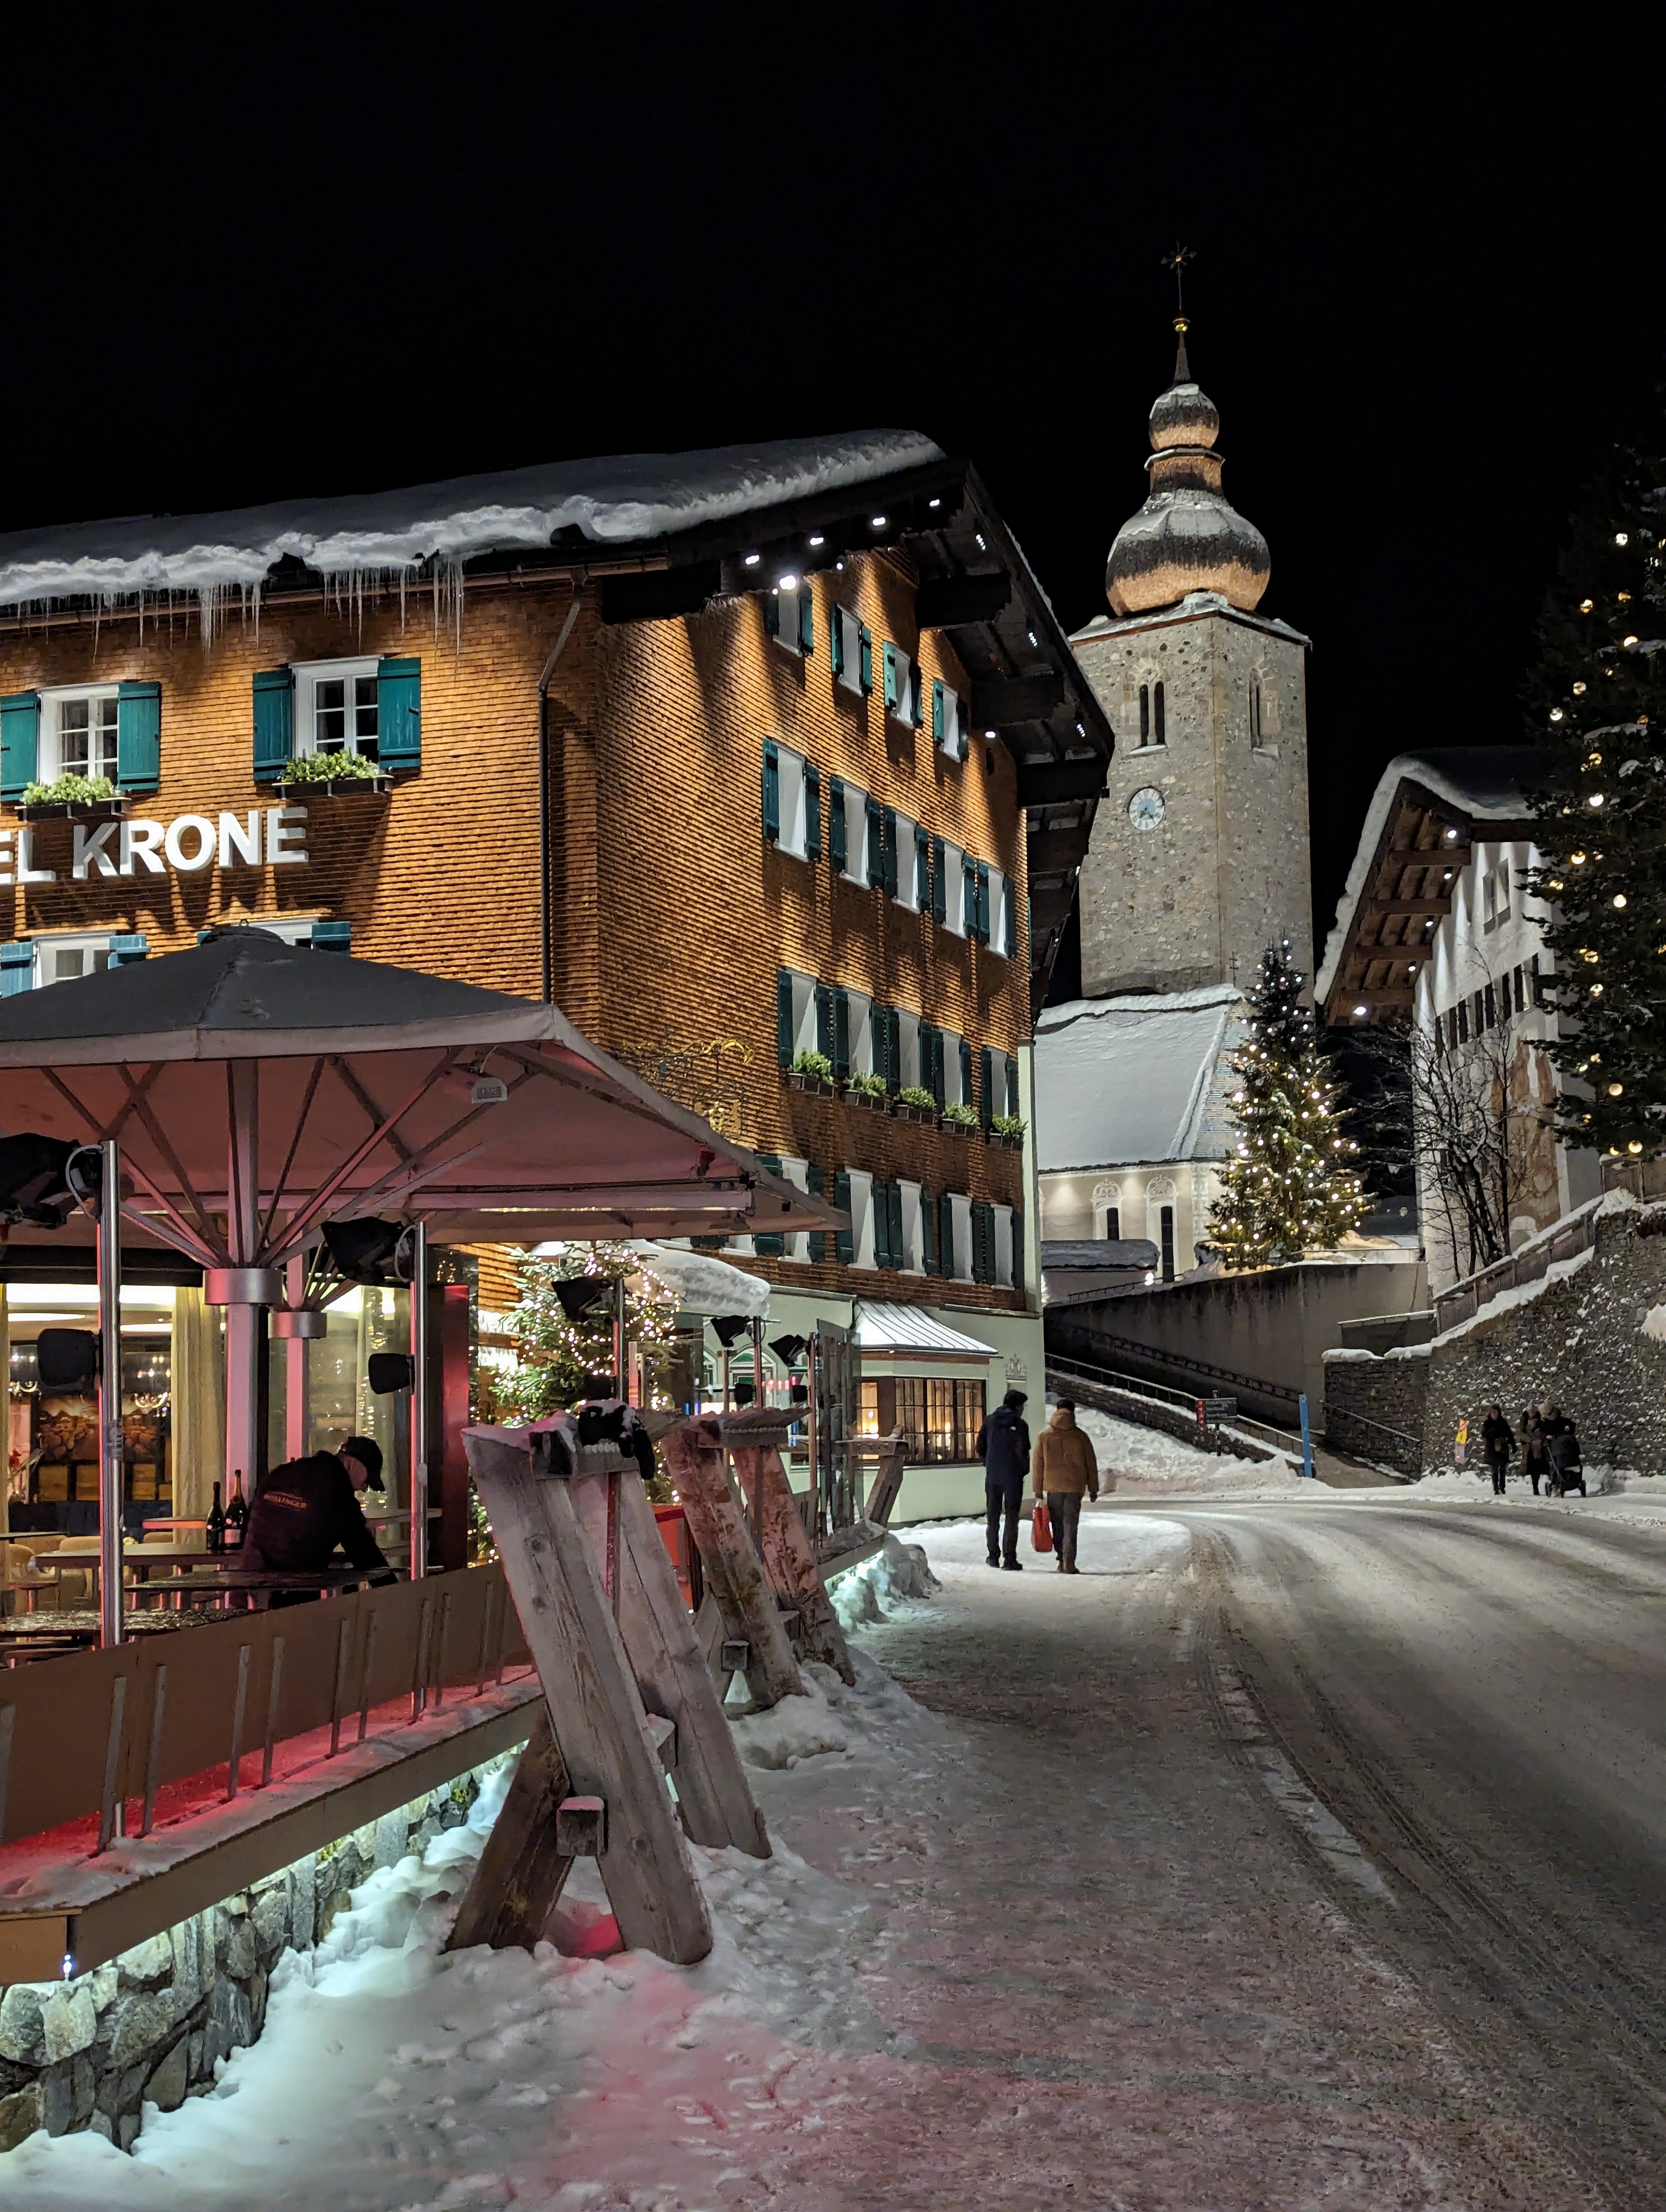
{"x":1567,"y":1464}
{"x":1498,"y":1442}
{"x":1535,"y":1460}
{"x":1003,"y":1445}
{"x":1065,"y":1469}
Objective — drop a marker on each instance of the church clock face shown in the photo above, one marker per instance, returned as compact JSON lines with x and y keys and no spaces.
{"x":1146,"y":808}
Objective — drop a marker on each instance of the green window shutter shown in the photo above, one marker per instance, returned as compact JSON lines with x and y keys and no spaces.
{"x":823,"y":1021}
{"x":844,"y":1245}
{"x":891,"y":677}
{"x":812,"y":811}
{"x":986,"y":1071}
{"x":968,"y":896}
{"x":983,"y":1243}
{"x":931,"y":1061}
{"x":867,"y":671}
{"x":876,"y":844}
{"x":982,"y":928}
{"x":840,"y":1034}
{"x":784,"y":1017}
{"x":894,"y":1203}
{"x":835,"y":622}
{"x":1018,"y":1249}
{"x":816,"y":1183}
{"x":965,"y":1072}
{"x":893,"y":1050}
{"x":16,"y":966}
{"x":771,"y":1245}
{"x":937,"y":710}
{"x":772,"y":613}
{"x":806,"y":619}
{"x":1012,"y":1084}
{"x":20,"y":748}
{"x":332,"y":937}
{"x":1009,"y":933}
{"x":888,"y":851}
{"x":124,"y":950}
{"x":274,"y":722}
{"x":916,"y":713}
{"x":138,"y":736}
{"x":399,"y":713}
{"x":946,"y":1235}
{"x":922,"y":867}
{"x":928,"y":1230}
{"x":836,"y":844}
{"x":881,"y":1228}
{"x":939,"y":881}
{"x":772,"y":789}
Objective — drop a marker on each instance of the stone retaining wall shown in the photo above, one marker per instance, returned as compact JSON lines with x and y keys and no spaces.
{"x":1375,"y":1406}
{"x":151,"y":2027}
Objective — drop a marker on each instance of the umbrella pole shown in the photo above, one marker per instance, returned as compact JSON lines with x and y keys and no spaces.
{"x":419,"y":1395}
{"x":297,"y":1402}
{"x":110,"y":1429}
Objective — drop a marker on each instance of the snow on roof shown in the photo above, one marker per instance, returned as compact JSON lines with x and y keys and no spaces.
{"x":1484,"y":782}
{"x":614,"y":500}
{"x":1122,"y":1081}
{"x":704,"y":1283}
{"x":1195,"y":604}
{"x":883,"y":1327}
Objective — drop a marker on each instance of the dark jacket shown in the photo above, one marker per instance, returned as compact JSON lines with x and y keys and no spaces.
{"x":1003,"y":1445}
{"x":1497,"y":1438}
{"x":300,"y":1512}
{"x":1562,"y":1440}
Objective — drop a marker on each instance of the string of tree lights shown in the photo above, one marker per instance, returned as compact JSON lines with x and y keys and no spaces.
{"x":1292,"y":1185}
{"x":1596,"y":710}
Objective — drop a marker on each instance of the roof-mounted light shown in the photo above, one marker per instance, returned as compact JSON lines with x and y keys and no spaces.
{"x":878,"y":521}
{"x":789,"y":582}
{"x":750,"y":560}
{"x":819,"y":541}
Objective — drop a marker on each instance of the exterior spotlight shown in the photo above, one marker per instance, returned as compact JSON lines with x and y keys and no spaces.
{"x":1595,"y":799}
{"x":1620,"y":898}
{"x":1621,"y":538}
{"x":982,"y":547}
{"x":789,"y":582}
{"x":1633,"y":1146}
{"x":933,"y":502}
{"x":819,"y":541}
{"x":991,"y":735}
{"x":751,"y":559}
{"x":1451,"y":836}
{"x":878,"y":521}
{"x":1359,"y":1013}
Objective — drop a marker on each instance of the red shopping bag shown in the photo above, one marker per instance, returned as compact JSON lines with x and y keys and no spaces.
{"x":1041,"y":1527}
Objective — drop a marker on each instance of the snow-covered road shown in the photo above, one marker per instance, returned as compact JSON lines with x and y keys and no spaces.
{"x":1296,"y":1854}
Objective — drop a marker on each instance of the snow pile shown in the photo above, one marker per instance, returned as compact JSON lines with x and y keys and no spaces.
{"x":386,"y":535}
{"x":796,"y":1728}
{"x":898,"y":1573}
{"x":1653,"y":1324}
{"x":1150,"y":1463}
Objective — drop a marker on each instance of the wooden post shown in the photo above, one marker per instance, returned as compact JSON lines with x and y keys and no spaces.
{"x":787,"y":1558}
{"x":596,"y":1713}
{"x":520,"y":1874}
{"x":659,"y":1636}
{"x":734,"y":1574}
{"x":888,"y":1468}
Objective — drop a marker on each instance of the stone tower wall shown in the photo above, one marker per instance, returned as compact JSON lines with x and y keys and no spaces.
{"x":1227,"y":871}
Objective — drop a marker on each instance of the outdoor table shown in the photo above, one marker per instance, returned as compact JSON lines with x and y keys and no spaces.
{"x":226,"y":1581}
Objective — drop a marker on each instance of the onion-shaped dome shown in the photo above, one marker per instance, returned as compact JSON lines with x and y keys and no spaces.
{"x":1188,"y":536}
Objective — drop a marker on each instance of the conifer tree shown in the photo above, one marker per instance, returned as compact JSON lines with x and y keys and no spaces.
{"x":557,"y":1353}
{"x":1291,"y":1186}
{"x":1597,"y":711}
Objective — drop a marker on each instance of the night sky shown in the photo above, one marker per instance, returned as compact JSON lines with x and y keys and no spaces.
{"x":355,"y":248}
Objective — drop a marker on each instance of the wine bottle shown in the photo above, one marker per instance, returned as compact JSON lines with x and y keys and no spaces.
{"x":237,"y":1513}
{"x":217,"y":1523}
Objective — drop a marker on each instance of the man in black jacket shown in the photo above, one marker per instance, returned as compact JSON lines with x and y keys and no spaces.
{"x":306,"y":1507}
{"x":1003,"y":1445}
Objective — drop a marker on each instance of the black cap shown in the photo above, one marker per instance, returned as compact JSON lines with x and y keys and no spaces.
{"x":1015,"y":1399}
{"x":369,"y":1454}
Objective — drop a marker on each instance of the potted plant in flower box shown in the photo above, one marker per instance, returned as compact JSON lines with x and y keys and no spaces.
{"x":332,"y":775}
{"x":914,"y":1103}
{"x":72,"y":798}
{"x":1006,"y":1132}
{"x":962,"y":1118}
{"x":812,"y":1072}
{"x":868,"y":1090}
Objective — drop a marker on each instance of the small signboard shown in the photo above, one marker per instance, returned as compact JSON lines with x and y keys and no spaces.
{"x":1211,"y":1411}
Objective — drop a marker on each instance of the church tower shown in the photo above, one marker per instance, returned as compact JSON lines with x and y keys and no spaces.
{"x":1199,"y":858}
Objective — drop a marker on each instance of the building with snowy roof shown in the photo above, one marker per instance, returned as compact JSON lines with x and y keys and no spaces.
{"x":730,"y":754}
{"x":1435,"y":934}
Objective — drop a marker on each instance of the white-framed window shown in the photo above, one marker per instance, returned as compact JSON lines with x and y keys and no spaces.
{"x":913,"y":865}
{"x":860,"y":1032}
{"x":789,"y":615}
{"x":908,"y":1051}
{"x":802,"y":1022}
{"x":861,"y":1219}
{"x":948,"y":720}
{"x":912,"y":1259}
{"x":856,"y":834}
{"x":335,"y":708}
{"x":956,"y":1089}
{"x":78,"y":733}
{"x":903,"y":694}
{"x":801,"y":805}
{"x":64,"y":960}
{"x":1003,"y":1244}
{"x":1002,"y":935}
{"x":795,"y":1245}
{"x":958,"y":1264}
{"x":954,"y":876}
{"x":852,"y":643}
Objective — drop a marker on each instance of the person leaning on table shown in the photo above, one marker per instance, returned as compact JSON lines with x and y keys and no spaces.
{"x":306,"y":1507}
{"x":1064,"y":1468}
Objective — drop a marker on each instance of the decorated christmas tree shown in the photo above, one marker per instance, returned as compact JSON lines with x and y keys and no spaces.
{"x":1290,"y":1185}
{"x":1597,"y":711}
{"x":560,"y":1348}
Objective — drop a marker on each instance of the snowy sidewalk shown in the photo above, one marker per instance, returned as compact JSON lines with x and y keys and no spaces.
{"x":1040,"y":1937}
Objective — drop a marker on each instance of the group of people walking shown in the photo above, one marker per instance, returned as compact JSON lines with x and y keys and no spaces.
{"x":1549,"y":1445}
{"x":1065,"y":1471}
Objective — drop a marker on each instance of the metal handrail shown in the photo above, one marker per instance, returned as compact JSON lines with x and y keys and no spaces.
{"x":1190,"y":1366}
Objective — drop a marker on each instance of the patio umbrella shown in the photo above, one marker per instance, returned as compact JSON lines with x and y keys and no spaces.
{"x":259,"y":1090}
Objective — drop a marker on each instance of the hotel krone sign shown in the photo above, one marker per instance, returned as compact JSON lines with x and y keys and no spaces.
{"x":268,"y":836}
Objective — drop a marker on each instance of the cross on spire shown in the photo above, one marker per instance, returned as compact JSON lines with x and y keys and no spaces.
{"x":1176,"y":260}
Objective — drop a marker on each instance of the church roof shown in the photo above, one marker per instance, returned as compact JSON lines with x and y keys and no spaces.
{"x":1126,"y":1081}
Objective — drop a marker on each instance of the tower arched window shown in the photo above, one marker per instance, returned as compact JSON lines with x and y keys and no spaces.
{"x":1159,"y":733}
{"x":1144,"y":713}
{"x":1255,"y":710}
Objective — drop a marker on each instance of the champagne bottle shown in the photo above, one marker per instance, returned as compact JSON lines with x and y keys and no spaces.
{"x":217,"y":1523}
{"x":237,"y":1513}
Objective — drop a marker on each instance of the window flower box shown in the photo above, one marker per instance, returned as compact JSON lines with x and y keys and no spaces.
{"x":998,"y":1142}
{"x":71,"y":810}
{"x":805,"y":1079}
{"x":907,"y":1111}
{"x":335,"y":787}
{"x":864,"y":1091}
{"x":962,"y":1120}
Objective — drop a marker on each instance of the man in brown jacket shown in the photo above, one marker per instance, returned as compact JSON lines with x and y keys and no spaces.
{"x":1064,"y":1469}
